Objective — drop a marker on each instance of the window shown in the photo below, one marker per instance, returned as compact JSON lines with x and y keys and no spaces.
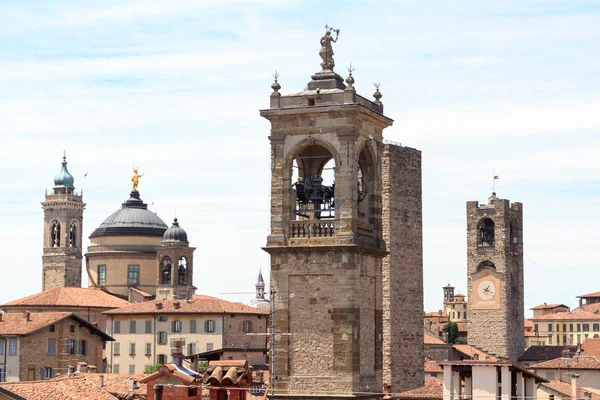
{"x":132,"y":369}
{"x":246,"y":346}
{"x":571,"y":339}
{"x":1,"y":346}
{"x":132,"y":326}
{"x":175,"y":326}
{"x":549,"y":340}
{"x":70,"y":347}
{"x":162,"y":358}
{"x":132,"y":349}
{"x":101,"y":275}
{"x":193,"y":326}
{"x":535,"y":328}
{"x":72,"y":328}
{"x":464,"y":314}
{"x":247,"y":326}
{"x":52,"y":328}
{"x":558,"y":339}
{"x":117,"y":327}
{"x":549,"y":327}
{"x":148,"y":326}
{"x":117,"y":349}
{"x":73,"y":234}
{"x":133,"y":274}
{"x":82,"y":348}
{"x":571,"y":327}
{"x":51,"y":347}
{"x":162,"y":337}
{"x":578,"y":327}
{"x":2,"y":375}
{"x":209,"y":346}
{"x":586,"y":327}
{"x":596,"y":336}
{"x":115,"y":368}
{"x":163,"y":318}
{"x":55,"y":234}
{"x":586,"y":336}
{"x":564,"y":328}
{"x":191,"y":348}
{"x":209,"y":326}
{"x":48,"y":373}
{"x":12,"y":347}
{"x":148,"y":349}
{"x":596,"y":327}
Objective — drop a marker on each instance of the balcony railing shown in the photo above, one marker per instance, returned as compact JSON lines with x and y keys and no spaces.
{"x":311,"y":229}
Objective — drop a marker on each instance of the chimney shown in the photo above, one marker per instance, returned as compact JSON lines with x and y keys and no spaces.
{"x":176,"y":305}
{"x":70,"y":369}
{"x":101,"y":377}
{"x":92,"y":368}
{"x":82,"y":367}
{"x":132,"y":385}
{"x":27,"y":316}
{"x":574,"y":386}
{"x":159,"y":306}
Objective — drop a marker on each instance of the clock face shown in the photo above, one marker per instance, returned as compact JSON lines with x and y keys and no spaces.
{"x":486,"y":289}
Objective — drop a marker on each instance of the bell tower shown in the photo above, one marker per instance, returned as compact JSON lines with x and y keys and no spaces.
{"x":326,"y":238}
{"x":63,"y":224}
{"x":495,"y":277}
{"x":175,"y":270}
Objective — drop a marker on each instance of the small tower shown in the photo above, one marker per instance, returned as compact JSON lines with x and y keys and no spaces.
{"x":63,"y":225}
{"x":259,"y":301}
{"x":495,"y":277}
{"x":175,"y":265}
{"x":448,"y":293}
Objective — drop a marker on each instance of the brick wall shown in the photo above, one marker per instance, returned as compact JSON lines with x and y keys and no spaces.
{"x":402,"y":272}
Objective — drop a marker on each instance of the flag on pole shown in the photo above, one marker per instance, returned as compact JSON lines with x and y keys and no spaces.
{"x":496,"y":177}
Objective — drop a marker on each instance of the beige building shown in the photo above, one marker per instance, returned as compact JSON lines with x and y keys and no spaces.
{"x":567,"y":328}
{"x":143,"y":331}
{"x":455,"y":306}
{"x":39,"y":345}
{"x":563,"y":369}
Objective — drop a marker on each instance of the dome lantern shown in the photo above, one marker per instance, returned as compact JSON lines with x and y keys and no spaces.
{"x":175,"y":236}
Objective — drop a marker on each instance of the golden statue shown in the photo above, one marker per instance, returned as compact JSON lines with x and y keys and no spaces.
{"x":135,"y":179}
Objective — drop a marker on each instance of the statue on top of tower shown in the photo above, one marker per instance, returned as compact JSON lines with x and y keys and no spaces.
{"x":136,"y":179}
{"x":326,"y":51}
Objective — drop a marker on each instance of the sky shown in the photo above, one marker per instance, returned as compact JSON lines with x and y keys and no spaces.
{"x":510,"y":88}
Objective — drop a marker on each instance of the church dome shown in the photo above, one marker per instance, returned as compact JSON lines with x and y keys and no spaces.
{"x":175,"y":235}
{"x":133,"y":219}
{"x":64,"y":179}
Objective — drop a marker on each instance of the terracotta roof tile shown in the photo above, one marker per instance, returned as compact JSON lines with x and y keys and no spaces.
{"x":61,"y":388}
{"x":539,"y":353}
{"x":430,"y":338}
{"x":432,"y":389}
{"x":593,"y":308}
{"x":168,"y":370}
{"x":436,"y":314}
{"x":574,"y":315}
{"x":595,"y":294}
{"x":565,"y":388}
{"x":17,"y":323}
{"x":528,"y":323}
{"x":546,"y":306}
{"x":71,"y":296}
{"x":473,"y":351}
{"x":199,"y":304}
{"x":577,"y":362}
{"x":432,"y":366}
{"x":591,"y":347}
{"x":227,"y":372}
{"x":117,"y":384}
{"x":462,"y":326}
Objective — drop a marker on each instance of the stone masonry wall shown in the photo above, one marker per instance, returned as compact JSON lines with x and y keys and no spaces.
{"x":34,"y":350}
{"x":234,"y":335}
{"x":402,"y":272}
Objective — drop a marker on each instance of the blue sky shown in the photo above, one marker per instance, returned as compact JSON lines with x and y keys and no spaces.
{"x":507,"y":86}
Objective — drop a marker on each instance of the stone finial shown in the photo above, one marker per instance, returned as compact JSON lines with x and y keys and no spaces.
{"x":350,"y":78}
{"x":377,"y":93}
{"x":275,"y":86}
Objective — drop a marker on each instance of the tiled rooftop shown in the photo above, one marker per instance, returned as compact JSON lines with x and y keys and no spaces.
{"x":539,"y":353}
{"x":595,"y":294}
{"x":432,"y":389}
{"x":117,"y":384}
{"x":430,"y":338}
{"x":591,"y":347}
{"x":473,"y":351}
{"x":574,"y":315}
{"x":432,"y":366}
{"x":17,"y":323}
{"x":565,"y":388}
{"x":546,"y":306}
{"x":577,"y":362}
{"x":71,"y":296}
{"x":62,"y":388}
{"x":199,"y":304}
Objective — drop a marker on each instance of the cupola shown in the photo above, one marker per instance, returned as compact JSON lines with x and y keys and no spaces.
{"x":64,"y":180}
{"x":175,"y":236}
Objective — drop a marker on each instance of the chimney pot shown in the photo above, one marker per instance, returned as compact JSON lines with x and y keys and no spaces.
{"x":101,"y":381}
{"x":159,"y":306}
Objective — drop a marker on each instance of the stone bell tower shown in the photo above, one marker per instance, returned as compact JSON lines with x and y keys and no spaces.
{"x":175,"y":269}
{"x":326,"y":241}
{"x":63,"y":225}
{"x":495,"y":277}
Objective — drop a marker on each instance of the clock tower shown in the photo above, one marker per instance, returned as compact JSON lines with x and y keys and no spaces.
{"x":495,"y":277}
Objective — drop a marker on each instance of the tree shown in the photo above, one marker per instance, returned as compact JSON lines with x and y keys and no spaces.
{"x":150,"y":369}
{"x":461,"y":340}
{"x":452,"y":332}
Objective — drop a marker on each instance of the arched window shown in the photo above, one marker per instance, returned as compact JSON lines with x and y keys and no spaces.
{"x":166,"y":269}
{"x":312,"y":183}
{"x":485,"y":229}
{"x":73,"y":234}
{"x":55,"y":234}
{"x":182,"y":271}
{"x":486,"y":264}
{"x":366,"y":183}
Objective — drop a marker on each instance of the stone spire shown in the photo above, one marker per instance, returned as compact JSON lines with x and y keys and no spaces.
{"x":260,"y":286}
